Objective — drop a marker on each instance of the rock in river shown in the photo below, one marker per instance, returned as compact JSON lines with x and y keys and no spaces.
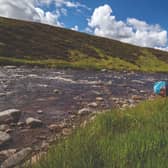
{"x":4,"y":138}
{"x":56,"y":127}
{"x":17,"y":158}
{"x":33,"y":123}
{"x":10,"y":115}
{"x":84,"y":111}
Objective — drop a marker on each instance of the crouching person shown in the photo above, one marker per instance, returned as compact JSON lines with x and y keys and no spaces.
{"x":161,"y":88}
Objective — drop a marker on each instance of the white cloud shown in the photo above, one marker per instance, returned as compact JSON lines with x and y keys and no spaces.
{"x":28,"y":10}
{"x":162,"y":48}
{"x":48,"y":17}
{"x":133,"y":31}
{"x":38,"y":10}
{"x":66,"y":3}
{"x":76,"y":28}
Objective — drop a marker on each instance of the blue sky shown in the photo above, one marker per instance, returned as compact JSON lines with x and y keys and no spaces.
{"x":153,"y":12}
{"x":139,"y":22}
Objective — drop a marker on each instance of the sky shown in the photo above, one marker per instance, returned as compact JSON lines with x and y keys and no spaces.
{"x":139,"y":22}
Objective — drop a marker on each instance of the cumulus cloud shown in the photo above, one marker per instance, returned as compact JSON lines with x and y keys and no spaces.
{"x":28,"y":10}
{"x":38,"y":10}
{"x":133,"y":31}
{"x":66,"y":3}
{"x":76,"y":28}
{"x":162,"y":48}
{"x":48,"y":17}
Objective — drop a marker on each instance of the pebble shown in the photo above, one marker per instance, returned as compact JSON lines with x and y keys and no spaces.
{"x":20,"y":124}
{"x":40,"y":112}
{"x":4,"y":127}
{"x":84,"y":111}
{"x":56,"y":127}
{"x":33,"y":123}
{"x":4,"y":138}
{"x":93,"y":104}
{"x":56,"y":91}
{"x":99,"y":99}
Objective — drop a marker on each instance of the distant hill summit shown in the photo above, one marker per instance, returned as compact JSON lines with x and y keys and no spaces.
{"x":23,"y":42}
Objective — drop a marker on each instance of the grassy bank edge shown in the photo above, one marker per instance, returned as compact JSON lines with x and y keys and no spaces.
{"x":112,"y":63}
{"x":135,"y":137}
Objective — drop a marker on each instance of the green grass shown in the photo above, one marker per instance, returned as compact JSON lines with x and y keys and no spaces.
{"x":133,"y":138}
{"x":150,"y":63}
{"x":146,"y":62}
{"x":81,"y":62}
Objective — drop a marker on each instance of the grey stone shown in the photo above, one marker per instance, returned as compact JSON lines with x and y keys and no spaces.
{"x":103,"y":70}
{"x":84,"y":111}
{"x":96,"y":92}
{"x":17,"y":158}
{"x":10,"y":67}
{"x":56,"y":91}
{"x":33,"y":123}
{"x":9,"y":130}
{"x":56,"y":127}
{"x":99,"y":99}
{"x":93,"y":104}
{"x":2,"y":94}
{"x":8,"y":153}
{"x":10,"y":115}
{"x":138,"y":81}
{"x":20,"y":124}
{"x":4,"y":138}
{"x":40,"y":112}
{"x":4,"y":127}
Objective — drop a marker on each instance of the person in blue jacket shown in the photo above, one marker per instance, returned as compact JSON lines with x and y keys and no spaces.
{"x":161,"y":88}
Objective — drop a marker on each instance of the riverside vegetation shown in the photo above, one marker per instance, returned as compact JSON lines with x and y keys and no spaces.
{"x":131,"y":138}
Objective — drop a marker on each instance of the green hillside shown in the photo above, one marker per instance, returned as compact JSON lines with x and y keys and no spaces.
{"x":34,"y":43}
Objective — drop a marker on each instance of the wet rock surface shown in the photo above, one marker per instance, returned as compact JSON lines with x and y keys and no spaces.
{"x":58,"y":98}
{"x":16,"y":158}
{"x":10,"y":115}
{"x":33,"y":122}
{"x":4,"y":138}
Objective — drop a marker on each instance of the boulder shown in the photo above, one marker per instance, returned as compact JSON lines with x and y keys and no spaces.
{"x":33,"y":123}
{"x":2,"y":94}
{"x":4,"y":127}
{"x":17,"y":158}
{"x":84,"y":111}
{"x":20,"y":124}
{"x":10,"y":115}
{"x":4,"y":138}
{"x":99,"y":99}
{"x":56,"y":127}
{"x":93,"y":104}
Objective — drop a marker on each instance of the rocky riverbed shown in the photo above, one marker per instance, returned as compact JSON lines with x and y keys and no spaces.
{"x":39,"y":104}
